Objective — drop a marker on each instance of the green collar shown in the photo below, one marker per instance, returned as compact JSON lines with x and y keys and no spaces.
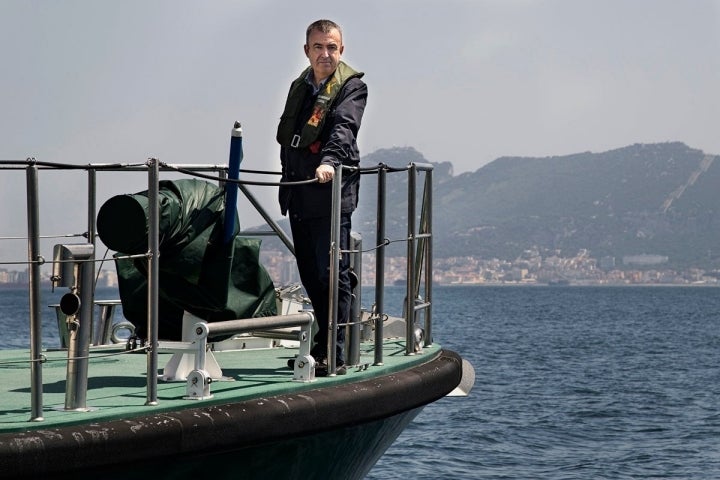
{"x":287,"y":135}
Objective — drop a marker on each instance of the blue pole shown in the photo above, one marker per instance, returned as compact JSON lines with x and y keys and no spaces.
{"x":231,"y":189}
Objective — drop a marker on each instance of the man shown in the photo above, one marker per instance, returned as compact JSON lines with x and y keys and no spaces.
{"x":317,"y":132}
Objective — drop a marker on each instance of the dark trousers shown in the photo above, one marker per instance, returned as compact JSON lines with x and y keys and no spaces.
{"x":311,"y":238}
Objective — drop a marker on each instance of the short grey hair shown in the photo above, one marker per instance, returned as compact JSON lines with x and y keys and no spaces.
{"x":323,"y":26}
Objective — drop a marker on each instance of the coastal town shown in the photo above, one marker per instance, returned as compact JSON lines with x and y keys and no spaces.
{"x":531,"y":268}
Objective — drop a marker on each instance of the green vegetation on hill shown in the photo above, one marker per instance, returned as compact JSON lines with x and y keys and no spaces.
{"x":642,"y":199}
{"x":656,"y":199}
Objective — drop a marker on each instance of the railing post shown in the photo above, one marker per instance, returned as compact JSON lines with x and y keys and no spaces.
{"x":81,"y":308}
{"x":92,"y":234}
{"x":334,"y":269}
{"x":33,"y":219}
{"x":411,"y":240}
{"x":427,"y":228}
{"x":380,"y":265}
{"x":352,"y":340}
{"x":79,"y":346}
{"x":153,"y":279}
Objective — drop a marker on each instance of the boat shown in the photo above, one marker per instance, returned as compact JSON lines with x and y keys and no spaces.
{"x":212,"y":395}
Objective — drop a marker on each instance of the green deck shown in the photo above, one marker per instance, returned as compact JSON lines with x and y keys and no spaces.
{"x":117,"y":382}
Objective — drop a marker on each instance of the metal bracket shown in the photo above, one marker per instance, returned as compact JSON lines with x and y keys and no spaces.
{"x":198,"y":385}
{"x":191,"y":353}
{"x":304,"y":369}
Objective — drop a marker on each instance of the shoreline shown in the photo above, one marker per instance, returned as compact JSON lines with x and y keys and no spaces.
{"x":569,"y":285}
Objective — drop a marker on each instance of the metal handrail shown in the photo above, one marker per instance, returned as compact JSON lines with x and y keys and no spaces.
{"x":419,"y":252}
{"x":419,"y":256}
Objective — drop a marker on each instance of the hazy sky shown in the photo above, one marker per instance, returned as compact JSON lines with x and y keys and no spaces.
{"x":461,"y":81}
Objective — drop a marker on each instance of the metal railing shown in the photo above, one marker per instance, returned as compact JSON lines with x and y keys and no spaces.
{"x":418,"y":298}
{"x":419,"y":258}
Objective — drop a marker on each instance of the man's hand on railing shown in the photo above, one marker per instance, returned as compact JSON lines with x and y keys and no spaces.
{"x":324,"y":173}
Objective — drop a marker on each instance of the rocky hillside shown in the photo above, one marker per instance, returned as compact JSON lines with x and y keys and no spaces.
{"x":655,"y":199}
{"x":660,"y":199}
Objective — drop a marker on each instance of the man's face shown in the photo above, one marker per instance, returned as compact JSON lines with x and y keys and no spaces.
{"x":324,"y":50}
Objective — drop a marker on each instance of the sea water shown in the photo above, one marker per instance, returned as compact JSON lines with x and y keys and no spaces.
{"x":571,"y":383}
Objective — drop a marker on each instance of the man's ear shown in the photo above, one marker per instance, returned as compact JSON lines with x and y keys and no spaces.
{"x":307,"y":50}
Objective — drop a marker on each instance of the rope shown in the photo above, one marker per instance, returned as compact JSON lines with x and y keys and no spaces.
{"x":41,"y":260}
{"x":65,"y":235}
{"x":385,"y":243}
{"x":102,"y":355}
{"x":44,"y":359}
{"x":237,"y":182}
{"x":67,"y":166}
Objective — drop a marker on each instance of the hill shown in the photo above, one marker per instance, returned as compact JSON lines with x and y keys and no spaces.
{"x":644,"y":199}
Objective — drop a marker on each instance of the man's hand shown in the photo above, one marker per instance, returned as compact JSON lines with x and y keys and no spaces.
{"x":324,"y":173}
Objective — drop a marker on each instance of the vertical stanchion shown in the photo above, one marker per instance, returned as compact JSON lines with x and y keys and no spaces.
{"x":80,"y":335}
{"x":334,"y":269}
{"x":76,"y":393}
{"x":380,"y":266}
{"x":427,"y":228}
{"x":33,"y":217}
{"x":87,"y":280}
{"x":153,"y":280}
{"x":353,"y":330}
{"x":92,"y":234}
{"x":410,"y":292}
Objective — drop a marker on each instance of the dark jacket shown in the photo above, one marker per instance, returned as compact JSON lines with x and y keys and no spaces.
{"x":338,"y":144}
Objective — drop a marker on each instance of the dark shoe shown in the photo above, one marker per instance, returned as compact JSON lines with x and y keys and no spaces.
{"x":322,"y":370}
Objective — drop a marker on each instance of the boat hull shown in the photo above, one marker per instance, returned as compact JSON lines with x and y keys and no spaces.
{"x":335,"y":431}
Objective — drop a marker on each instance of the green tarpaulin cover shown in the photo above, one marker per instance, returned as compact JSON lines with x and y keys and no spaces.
{"x":198,"y":272}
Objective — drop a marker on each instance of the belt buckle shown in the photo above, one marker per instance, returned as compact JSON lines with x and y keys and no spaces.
{"x":295,"y":142}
